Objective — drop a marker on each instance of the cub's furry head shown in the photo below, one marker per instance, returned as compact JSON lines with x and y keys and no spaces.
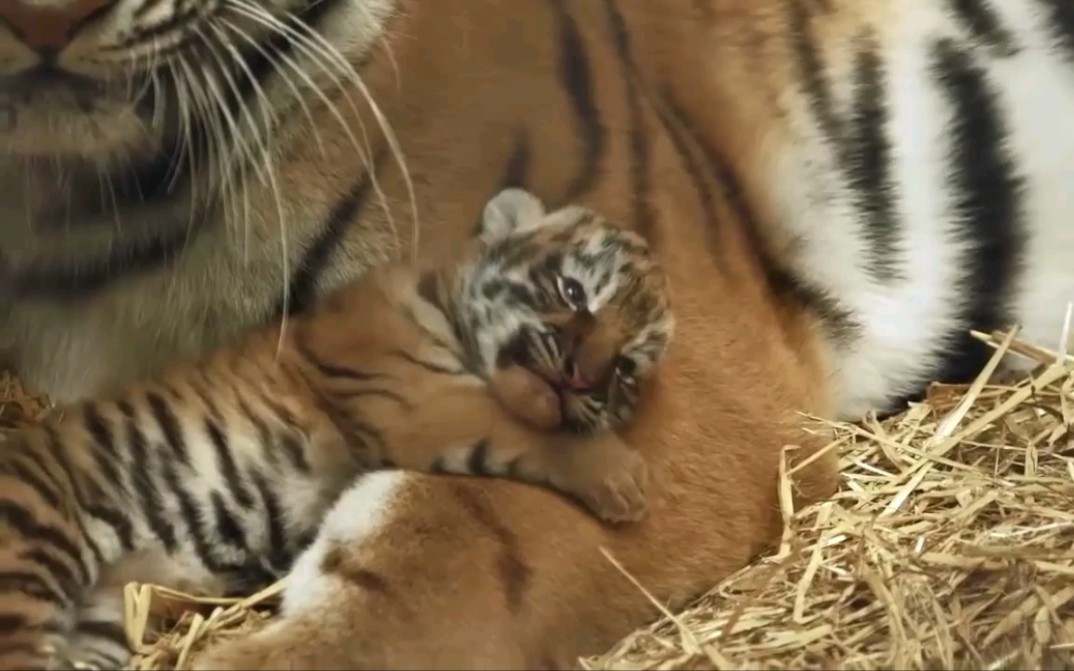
{"x":570,"y":297}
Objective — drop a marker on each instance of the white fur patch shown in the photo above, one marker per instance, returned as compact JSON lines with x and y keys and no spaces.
{"x":905,"y":322}
{"x":359,"y":514}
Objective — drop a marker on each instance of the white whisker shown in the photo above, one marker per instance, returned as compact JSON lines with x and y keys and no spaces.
{"x":299,"y":98}
{"x":317,"y":48}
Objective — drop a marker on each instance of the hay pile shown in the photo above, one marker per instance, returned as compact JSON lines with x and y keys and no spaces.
{"x":950,"y":545}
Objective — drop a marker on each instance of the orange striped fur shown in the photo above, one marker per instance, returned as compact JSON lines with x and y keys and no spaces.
{"x":368,"y":131}
{"x":215,"y":476}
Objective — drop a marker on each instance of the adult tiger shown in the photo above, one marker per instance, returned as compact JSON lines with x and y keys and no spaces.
{"x":838,"y":188}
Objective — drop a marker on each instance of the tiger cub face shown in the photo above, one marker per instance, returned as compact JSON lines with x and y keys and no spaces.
{"x":571,"y":298}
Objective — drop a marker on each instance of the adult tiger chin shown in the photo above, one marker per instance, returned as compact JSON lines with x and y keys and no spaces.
{"x":839,"y":190}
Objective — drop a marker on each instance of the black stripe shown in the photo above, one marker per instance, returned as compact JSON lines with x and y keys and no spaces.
{"x":858,"y":143}
{"x":278,"y":46}
{"x":12,"y":648}
{"x":10,"y":624}
{"x":146,"y":32}
{"x":228,"y":526}
{"x":386,"y":394}
{"x":363,"y":439}
{"x":575,"y":72}
{"x":428,"y":365}
{"x":868,"y":162}
{"x":979,"y":19}
{"x":144,"y":484}
{"x":205,"y":396}
{"x":516,"y":172}
{"x":429,"y":289}
{"x":812,"y":70}
{"x":838,"y":322}
{"x":303,"y":286}
{"x":281,"y":412}
{"x":264,"y":436}
{"x":50,"y":480}
{"x":69,"y":583}
{"x":169,"y":425}
{"x":176,"y":395}
{"x":284,"y":439}
{"x":105,"y":452}
{"x":91,"y":276}
{"x":331,"y":370}
{"x":105,"y":629}
{"x":987,"y":206}
{"x":1061,"y":18}
{"x":478,"y":463}
{"x":226,"y":463}
{"x":101,"y":433}
{"x":107,"y":458}
{"x":29,"y":478}
{"x":292,"y":447}
{"x":644,"y":214}
{"x":515,"y":574}
{"x":192,"y":518}
{"x":19,"y":519}
{"x":33,"y":585}
{"x":678,"y":129}
{"x":146,"y":7}
{"x":152,"y":182}
{"x":56,"y":450}
{"x":277,"y":552}
{"x":514,"y":469}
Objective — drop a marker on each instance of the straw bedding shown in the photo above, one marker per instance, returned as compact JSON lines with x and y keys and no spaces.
{"x":949,"y":546}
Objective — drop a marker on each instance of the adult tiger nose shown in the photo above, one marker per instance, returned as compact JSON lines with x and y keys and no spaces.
{"x":48,"y":28}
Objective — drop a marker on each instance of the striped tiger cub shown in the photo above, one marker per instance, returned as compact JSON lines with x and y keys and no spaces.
{"x":517,"y":362}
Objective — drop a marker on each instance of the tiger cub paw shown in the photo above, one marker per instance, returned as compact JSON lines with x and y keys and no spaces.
{"x":527,"y":397}
{"x":611,"y":482}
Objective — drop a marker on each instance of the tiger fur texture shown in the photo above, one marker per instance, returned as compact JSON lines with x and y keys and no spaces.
{"x":517,"y":362}
{"x":837,"y":189}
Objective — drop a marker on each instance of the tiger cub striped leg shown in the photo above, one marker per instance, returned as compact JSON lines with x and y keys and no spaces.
{"x":212,"y":492}
{"x":46,"y":559}
{"x":484,"y":438}
{"x":99,"y":639}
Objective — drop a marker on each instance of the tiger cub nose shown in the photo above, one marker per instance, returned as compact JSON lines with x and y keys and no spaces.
{"x":49,"y":29}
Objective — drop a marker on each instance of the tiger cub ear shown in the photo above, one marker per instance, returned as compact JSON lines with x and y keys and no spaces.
{"x":509,"y":211}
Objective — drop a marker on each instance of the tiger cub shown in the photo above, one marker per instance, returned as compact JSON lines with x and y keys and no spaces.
{"x":515,"y":362}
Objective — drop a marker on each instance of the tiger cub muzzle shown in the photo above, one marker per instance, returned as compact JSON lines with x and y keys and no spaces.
{"x":575,"y":358}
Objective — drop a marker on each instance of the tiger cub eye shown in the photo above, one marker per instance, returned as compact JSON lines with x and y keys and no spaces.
{"x":572,"y":292}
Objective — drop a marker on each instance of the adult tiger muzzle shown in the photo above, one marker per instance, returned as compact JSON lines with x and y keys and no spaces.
{"x":48,"y":29}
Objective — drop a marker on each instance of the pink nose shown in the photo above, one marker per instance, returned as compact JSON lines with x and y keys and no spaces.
{"x":49,"y":28}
